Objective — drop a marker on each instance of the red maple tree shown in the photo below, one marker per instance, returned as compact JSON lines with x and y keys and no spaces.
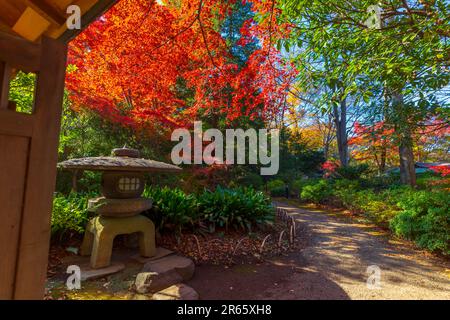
{"x":374,"y":143}
{"x":127,"y":65}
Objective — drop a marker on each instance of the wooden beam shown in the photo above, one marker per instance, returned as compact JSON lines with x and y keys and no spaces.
{"x":60,"y":4}
{"x":5,"y":28}
{"x":20,"y":54}
{"x":11,"y":11}
{"x":31,"y":25}
{"x":47,"y":11}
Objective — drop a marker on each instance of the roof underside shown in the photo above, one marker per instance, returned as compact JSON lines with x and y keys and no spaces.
{"x":31,"y":19}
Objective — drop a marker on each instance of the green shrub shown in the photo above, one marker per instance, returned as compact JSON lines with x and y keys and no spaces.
{"x":297,"y":185}
{"x":238,"y":208}
{"x":395,"y":193}
{"x":175,"y":210}
{"x":376,"y":207}
{"x":277,"y":188}
{"x":316,"y":191}
{"x":422,"y":216}
{"x":380,"y":182}
{"x":352,"y":172}
{"x":425,"y":219}
{"x":251,"y":180}
{"x":172,"y":208}
{"x":70,"y":213}
{"x":346,"y":185}
{"x":275,"y":184}
{"x":278,"y":192}
{"x":431,"y":180}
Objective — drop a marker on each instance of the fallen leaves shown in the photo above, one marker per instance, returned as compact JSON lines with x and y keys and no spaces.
{"x":233,"y":246}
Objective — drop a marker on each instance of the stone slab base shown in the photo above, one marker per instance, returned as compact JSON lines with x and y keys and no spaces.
{"x":163,"y":273}
{"x":88,"y":273}
{"x":160,"y":253}
{"x":178,"y":291}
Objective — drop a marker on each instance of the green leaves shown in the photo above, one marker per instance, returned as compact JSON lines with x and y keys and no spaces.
{"x":238,"y":208}
{"x":426,"y":219}
{"x":172,"y":208}
{"x":397,"y":72}
{"x":22,"y":89}
{"x":70,"y":213}
{"x":223,"y":208}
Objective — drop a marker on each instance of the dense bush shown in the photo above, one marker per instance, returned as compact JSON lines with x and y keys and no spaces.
{"x":317,"y":191}
{"x":251,"y":180}
{"x":374,"y":206}
{"x":242,"y":207}
{"x":172,"y":208}
{"x":297,"y":185}
{"x":352,"y":172}
{"x":380,"y":182}
{"x":278,"y":192}
{"x":419,"y":215}
{"x":274,"y":184}
{"x":229,"y":208}
{"x":70,"y":213}
{"x":432,"y":180}
{"x":175,"y":210}
{"x":277,"y":188}
{"x":426,"y":219}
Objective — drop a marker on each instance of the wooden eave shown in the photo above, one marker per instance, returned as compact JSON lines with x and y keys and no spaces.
{"x":32,"y":19}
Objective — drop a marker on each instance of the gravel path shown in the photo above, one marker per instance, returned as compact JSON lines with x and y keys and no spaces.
{"x":332,"y":265}
{"x":341,"y":251}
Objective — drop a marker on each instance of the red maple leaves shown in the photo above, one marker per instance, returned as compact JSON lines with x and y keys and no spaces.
{"x":129,"y":64}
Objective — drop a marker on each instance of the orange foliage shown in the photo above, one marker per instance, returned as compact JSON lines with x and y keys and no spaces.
{"x":128,"y":64}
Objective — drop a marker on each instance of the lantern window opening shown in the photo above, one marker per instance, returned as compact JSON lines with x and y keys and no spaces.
{"x":129,"y":184}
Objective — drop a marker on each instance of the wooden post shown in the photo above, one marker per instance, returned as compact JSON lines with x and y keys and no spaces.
{"x":5,"y":76}
{"x":13,"y":161}
{"x":41,"y":174}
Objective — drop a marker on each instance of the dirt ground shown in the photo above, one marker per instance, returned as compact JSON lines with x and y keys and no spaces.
{"x":333,"y":264}
{"x":329,"y":261}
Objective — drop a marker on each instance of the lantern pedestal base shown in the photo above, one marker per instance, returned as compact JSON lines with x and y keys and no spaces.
{"x":101,"y":231}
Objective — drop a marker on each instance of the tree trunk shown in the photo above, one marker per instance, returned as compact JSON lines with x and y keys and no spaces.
{"x":407,"y":164}
{"x":383,"y":159}
{"x":405,"y":146}
{"x":340,"y":120}
{"x":326,"y":149}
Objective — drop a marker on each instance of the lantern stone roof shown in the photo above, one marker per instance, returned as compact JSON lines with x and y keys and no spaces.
{"x":118,"y":164}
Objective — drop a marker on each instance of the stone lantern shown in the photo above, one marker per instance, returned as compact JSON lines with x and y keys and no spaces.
{"x":118,"y":210}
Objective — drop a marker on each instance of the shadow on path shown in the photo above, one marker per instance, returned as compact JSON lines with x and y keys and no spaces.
{"x":333,"y":265}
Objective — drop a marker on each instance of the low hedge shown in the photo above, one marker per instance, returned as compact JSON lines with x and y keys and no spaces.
{"x":419,"y":215}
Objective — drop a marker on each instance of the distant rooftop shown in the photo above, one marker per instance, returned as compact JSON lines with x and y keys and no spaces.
{"x":432,"y":164}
